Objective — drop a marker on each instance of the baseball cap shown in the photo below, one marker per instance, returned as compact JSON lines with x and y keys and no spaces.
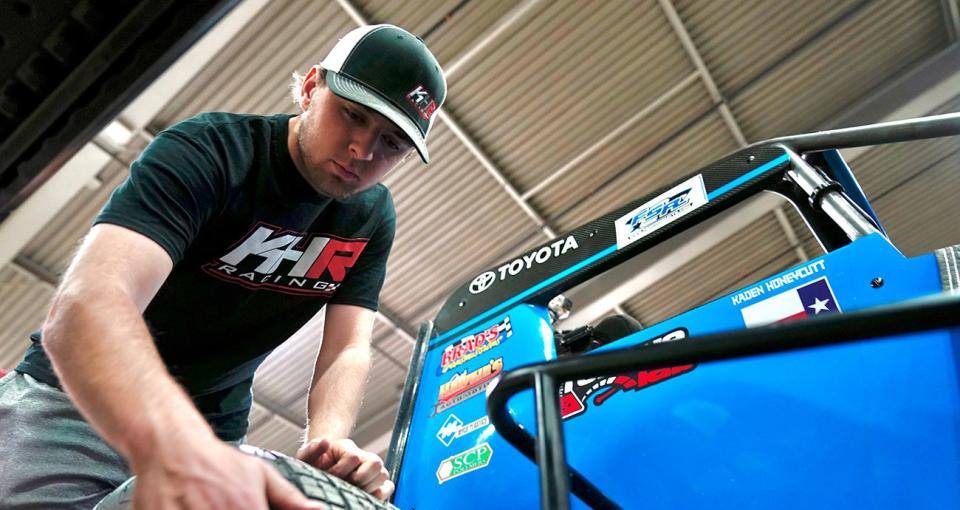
{"x":390,"y":70}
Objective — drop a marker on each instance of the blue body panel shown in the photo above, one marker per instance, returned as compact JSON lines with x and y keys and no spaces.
{"x":873,"y":424}
{"x":510,"y":478}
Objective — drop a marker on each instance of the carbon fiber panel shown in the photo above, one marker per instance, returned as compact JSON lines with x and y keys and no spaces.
{"x":571,"y":258}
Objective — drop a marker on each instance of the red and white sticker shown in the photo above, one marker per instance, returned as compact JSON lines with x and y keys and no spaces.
{"x":813,"y":298}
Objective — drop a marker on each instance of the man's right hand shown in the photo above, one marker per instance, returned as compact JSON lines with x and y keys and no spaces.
{"x":102,"y":350}
{"x":212,"y":476}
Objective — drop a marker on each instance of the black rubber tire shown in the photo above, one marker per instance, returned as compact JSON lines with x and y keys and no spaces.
{"x":315,"y":484}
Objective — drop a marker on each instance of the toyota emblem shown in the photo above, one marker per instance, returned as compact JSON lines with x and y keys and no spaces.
{"x":482,"y":282}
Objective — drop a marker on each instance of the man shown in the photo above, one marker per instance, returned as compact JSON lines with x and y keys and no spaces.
{"x":230,"y":233}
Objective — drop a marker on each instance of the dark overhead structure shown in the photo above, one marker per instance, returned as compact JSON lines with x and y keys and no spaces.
{"x":67,"y":68}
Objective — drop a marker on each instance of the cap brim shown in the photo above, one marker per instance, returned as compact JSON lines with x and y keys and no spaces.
{"x":353,"y":90}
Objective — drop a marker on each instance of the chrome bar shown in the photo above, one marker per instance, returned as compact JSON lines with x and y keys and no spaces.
{"x":854,"y":223}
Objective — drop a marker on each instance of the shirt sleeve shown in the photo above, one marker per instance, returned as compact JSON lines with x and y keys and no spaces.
{"x":174,"y":188}
{"x":365,"y":279}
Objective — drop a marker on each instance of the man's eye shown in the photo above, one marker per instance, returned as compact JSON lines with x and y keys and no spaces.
{"x":392,"y":143}
{"x":354,"y":116}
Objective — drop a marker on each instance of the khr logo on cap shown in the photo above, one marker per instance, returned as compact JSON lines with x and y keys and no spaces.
{"x":421,"y":100}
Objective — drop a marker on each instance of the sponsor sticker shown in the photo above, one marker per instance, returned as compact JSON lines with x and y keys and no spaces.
{"x":448,"y":431}
{"x":813,"y":298}
{"x":453,"y":428}
{"x":467,"y":384}
{"x":462,"y":463}
{"x":485,"y":280}
{"x":469,"y":347}
{"x":667,"y":207}
{"x":773,"y":284}
{"x":575,"y":395}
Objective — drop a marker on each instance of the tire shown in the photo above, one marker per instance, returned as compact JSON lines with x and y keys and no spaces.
{"x":315,"y":484}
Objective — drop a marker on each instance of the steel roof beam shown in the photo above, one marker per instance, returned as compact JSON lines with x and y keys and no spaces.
{"x":951,"y":15}
{"x":731,"y":122}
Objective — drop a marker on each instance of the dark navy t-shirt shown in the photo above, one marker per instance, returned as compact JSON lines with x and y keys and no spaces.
{"x":256,"y":251}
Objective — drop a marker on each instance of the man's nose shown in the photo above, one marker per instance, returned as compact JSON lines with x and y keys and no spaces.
{"x":362,"y":144}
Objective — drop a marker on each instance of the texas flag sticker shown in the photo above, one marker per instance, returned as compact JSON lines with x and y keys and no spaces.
{"x":813,"y":298}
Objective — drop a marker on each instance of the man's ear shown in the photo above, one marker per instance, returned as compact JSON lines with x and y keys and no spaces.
{"x":308,"y":87}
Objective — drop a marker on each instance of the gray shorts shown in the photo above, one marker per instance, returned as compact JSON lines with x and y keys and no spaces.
{"x":50,"y":458}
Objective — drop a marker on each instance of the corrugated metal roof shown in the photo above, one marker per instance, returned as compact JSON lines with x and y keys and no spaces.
{"x":395,"y":347}
{"x":251,"y":74}
{"x":24,"y":305}
{"x":625,"y":155}
{"x":910,"y":186}
{"x":882,"y":169}
{"x":450,"y":26}
{"x":759,"y":250}
{"x":741,"y":40}
{"x":416,"y":17}
{"x":681,"y":154}
{"x":919,"y":212}
{"x":55,"y":244}
{"x":532,"y":125}
{"x":276,"y":434}
{"x":454,"y":217}
{"x":878,"y":43}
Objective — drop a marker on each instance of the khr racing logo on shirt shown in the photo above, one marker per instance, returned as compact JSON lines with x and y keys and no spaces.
{"x":574,"y":395}
{"x":559,"y":247}
{"x":270,"y":258}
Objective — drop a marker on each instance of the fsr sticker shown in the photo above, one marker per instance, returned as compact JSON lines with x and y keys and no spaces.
{"x":667,"y":207}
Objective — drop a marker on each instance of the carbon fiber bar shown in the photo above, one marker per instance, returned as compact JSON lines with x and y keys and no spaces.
{"x":937,"y":312}
{"x":876,"y":134}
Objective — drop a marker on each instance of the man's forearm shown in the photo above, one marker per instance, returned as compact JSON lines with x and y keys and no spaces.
{"x":336,"y":392}
{"x":106,"y":360}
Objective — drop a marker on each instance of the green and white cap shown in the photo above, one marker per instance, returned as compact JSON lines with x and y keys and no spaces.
{"x":390,"y":70}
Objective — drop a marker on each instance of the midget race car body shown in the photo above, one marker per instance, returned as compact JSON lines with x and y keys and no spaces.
{"x":856,"y":420}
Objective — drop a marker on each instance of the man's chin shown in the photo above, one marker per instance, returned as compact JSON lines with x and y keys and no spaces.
{"x":338,"y":191}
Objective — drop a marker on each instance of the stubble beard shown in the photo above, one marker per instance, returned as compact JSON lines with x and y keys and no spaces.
{"x":321,"y":182}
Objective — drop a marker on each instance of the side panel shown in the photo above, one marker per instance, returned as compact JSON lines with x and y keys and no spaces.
{"x":453,"y":457}
{"x":874,"y":423}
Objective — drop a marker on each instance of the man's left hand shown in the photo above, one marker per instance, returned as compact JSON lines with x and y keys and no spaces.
{"x":344,"y":459}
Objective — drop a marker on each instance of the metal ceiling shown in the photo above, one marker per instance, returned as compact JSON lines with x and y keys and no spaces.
{"x":559,"y":111}
{"x":68,"y":67}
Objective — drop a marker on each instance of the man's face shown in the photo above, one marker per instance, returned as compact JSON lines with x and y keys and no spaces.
{"x":343,"y":148}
